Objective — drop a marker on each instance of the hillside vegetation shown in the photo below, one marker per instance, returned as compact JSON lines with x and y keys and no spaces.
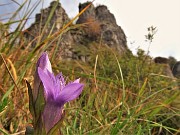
{"x":123,"y":94}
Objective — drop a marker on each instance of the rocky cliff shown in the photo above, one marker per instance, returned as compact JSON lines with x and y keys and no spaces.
{"x":105,"y":26}
{"x":96,"y":24}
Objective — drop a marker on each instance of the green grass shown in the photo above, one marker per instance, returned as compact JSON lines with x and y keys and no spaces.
{"x":122,"y":95}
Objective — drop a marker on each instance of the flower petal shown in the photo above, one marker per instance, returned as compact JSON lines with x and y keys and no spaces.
{"x":48,"y":81}
{"x":44,"y":62}
{"x":70,"y":92}
{"x":51,"y":115}
{"x":77,"y":81}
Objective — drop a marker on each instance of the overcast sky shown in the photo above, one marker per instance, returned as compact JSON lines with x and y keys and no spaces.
{"x":134,"y":16}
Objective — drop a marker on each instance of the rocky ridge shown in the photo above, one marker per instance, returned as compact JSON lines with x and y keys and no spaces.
{"x":97,"y":25}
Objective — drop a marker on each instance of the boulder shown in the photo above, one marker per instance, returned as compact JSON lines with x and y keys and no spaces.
{"x":176,"y":69}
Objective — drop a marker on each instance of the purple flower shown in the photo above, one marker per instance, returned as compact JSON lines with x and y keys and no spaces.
{"x":42,"y":63}
{"x":56,"y":92}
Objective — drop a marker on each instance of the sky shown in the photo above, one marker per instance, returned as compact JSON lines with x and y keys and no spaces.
{"x":134,"y":17}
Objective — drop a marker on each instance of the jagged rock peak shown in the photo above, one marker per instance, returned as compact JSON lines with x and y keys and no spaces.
{"x":103,"y":14}
{"x":103,"y":22}
{"x":89,"y":13}
{"x":58,"y":19}
{"x":100,"y":13}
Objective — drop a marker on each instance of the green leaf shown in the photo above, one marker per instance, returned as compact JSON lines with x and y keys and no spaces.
{"x":31,"y":105}
{"x":3,"y":104}
{"x":40,"y":103}
{"x":39,"y":107}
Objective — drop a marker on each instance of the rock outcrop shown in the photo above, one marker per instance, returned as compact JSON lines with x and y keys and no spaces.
{"x":102,"y":24}
{"x":98,"y":25}
{"x":41,"y":28}
{"x":161,"y":60}
{"x":166,"y":67}
{"x":176,"y":70}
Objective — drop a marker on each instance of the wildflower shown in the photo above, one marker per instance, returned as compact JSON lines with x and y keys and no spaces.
{"x":55,"y":94}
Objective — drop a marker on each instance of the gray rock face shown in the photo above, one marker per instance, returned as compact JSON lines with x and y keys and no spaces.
{"x":176,"y":70}
{"x":105,"y":25}
{"x":100,"y":25}
{"x":168,"y":71}
{"x":89,"y":13}
{"x":166,"y":67}
{"x":58,"y":20}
